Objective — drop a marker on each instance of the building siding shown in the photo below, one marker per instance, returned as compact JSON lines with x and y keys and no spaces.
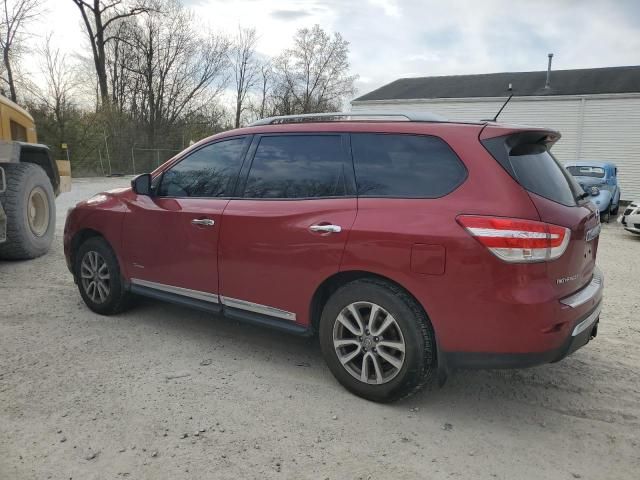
{"x":591,"y":128}
{"x":612,"y":132}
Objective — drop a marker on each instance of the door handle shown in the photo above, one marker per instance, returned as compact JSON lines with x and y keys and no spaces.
{"x":326,"y":228}
{"x":205,"y":222}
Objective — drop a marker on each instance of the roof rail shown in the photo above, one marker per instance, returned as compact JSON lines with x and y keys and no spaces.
{"x":352,"y":116}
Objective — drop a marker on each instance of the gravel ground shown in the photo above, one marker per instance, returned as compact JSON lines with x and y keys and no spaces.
{"x":165,"y":392}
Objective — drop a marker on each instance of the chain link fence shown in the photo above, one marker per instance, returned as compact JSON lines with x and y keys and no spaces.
{"x":118,"y":156}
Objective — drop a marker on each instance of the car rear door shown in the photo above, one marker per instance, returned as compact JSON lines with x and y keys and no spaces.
{"x":170,"y":239}
{"x":286,"y":232}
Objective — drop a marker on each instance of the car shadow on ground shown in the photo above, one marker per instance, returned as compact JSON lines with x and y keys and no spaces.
{"x":558,"y":387}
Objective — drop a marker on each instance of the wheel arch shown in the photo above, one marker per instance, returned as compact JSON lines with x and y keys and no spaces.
{"x":40,"y":155}
{"x":337,"y":280}
{"x":79,"y":238}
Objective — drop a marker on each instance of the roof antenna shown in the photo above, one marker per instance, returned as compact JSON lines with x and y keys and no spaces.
{"x":495,"y":119}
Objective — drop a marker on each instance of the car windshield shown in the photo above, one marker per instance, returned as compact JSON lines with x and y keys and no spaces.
{"x":586,"y":171}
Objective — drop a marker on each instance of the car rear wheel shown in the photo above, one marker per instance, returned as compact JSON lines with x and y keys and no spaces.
{"x":377,"y":341}
{"x":605,"y":216}
{"x":98,"y":276}
{"x":614,"y":211}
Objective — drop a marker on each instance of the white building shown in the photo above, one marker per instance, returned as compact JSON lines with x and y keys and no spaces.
{"x":597,"y":110}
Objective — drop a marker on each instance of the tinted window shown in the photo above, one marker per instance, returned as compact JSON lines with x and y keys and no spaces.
{"x":298,"y":166}
{"x":405,"y":166}
{"x":580,"y":171}
{"x":538,"y":172}
{"x":208,"y":172}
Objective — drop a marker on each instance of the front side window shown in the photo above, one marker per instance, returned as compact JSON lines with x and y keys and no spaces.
{"x":208,"y":172}
{"x":298,"y":166}
{"x":406,"y":166}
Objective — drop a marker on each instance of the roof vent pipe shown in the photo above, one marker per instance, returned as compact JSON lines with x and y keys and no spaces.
{"x":548,"y":82}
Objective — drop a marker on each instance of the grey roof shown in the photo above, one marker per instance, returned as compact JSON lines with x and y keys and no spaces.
{"x":563,"y":82}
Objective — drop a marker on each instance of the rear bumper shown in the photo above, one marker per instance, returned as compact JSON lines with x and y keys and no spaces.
{"x":583,"y":331}
{"x":579,"y":333}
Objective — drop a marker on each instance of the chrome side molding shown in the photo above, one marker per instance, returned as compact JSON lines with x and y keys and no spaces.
{"x":213,"y":298}
{"x":186,"y":292}
{"x":258,"y":308}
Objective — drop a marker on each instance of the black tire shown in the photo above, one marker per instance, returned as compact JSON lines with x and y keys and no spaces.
{"x":419,"y":367}
{"x":24,"y":180}
{"x":118,"y":298}
{"x":605,"y":217}
{"x":614,"y":211}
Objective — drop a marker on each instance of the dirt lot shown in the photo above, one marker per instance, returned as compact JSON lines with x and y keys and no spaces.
{"x":82,"y":396}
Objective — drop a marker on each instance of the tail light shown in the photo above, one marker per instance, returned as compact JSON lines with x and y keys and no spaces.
{"x":517,"y":241}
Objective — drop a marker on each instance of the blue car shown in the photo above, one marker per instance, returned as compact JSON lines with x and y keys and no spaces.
{"x":600,"y":181}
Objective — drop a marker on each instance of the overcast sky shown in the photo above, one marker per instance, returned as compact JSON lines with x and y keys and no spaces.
{"x":391,"y":39}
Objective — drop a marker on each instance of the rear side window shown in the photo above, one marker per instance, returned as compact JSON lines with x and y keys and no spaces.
{"x":408,"y":166}
{"x":540,"y":173}
{"x":583,"y":171}
{"x":208,"y":172}
{"x":298,"y":166}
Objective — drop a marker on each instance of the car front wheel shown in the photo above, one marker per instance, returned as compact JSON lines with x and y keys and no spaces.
{"x":98,"y":276}
{"x":377,"y":340}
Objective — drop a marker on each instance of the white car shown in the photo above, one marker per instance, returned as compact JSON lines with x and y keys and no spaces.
{"x":630,"y":219}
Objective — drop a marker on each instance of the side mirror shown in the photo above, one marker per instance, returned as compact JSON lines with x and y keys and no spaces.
{"x":142,"y":184}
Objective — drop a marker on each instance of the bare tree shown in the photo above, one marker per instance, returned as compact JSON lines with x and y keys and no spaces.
{"x":98,"y":16}
{"x":266,"y":77}
{"x":121,"y":59}
{"x":15,"y":15}
{"x":178,"y":69}
{"x":60,"y":83}
{"x":245,"y":67}
{"x":314,"y":75}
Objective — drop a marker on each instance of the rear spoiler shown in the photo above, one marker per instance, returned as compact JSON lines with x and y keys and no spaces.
{"x":501,"y":142}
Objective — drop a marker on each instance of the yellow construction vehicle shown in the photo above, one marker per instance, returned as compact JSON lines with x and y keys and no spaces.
{"x":29,"y":182}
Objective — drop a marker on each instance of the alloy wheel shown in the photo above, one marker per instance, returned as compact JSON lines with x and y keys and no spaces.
{"x":95,"y":277}
{"x":369,"y":343}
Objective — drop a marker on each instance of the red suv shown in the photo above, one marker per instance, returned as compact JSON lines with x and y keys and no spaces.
{"x":411,"y":245}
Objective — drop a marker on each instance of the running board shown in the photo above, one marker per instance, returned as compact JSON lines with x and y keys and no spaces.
{"x":268,"y":321}
{"x":175,"y":298}
{"x":229,"y":312}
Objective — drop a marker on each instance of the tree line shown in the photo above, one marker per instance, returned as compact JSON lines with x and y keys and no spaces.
{"x":154,"y":79}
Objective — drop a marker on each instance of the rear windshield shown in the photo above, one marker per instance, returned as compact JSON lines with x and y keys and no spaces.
{"x":540,"y":173}
{"x":581,"y":171}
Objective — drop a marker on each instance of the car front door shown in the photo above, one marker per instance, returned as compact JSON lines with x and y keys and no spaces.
{"x":287,"y":232}
{"x":170,"y":239}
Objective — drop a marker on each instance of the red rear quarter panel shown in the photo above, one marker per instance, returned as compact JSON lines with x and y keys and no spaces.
{"x":479,"y":303}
